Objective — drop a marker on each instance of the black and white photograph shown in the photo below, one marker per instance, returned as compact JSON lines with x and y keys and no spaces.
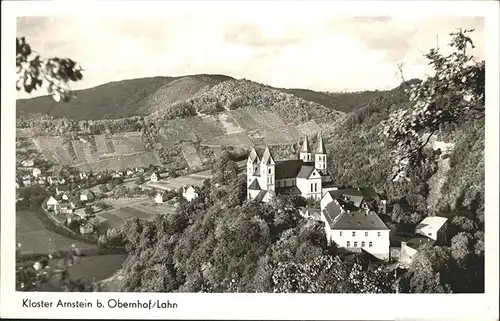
{"x":251,"y":151}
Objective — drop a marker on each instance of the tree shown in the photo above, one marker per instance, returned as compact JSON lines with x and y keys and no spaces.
{"x":54,"y":73}
{"x":454,"y":94}
{"x":225,"y":169}
{"x":89,"y":210}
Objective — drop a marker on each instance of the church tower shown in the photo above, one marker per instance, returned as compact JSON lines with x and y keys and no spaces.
{"x":253,"y":166}
{"x":267,"y":167}
{"x":305,"y":151}
{"x":320,"y":155}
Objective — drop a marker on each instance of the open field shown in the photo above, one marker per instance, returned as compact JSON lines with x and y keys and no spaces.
{"x":34,"y":238}
{"x":182,"y":181}
{"x":124,"y":209}
{"x":244,"y":120}
{"x":205,"y":127}
{"x":229,"y":124}
{"x":96,"y":267}
{"x":122,"y":162}
{"x":191,"y":155}
{"x":310,"y":128}
{"x":229,"y":140}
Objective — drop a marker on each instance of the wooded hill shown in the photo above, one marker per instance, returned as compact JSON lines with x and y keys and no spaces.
{"x":140,"y":97}
{"x":132,"y":122}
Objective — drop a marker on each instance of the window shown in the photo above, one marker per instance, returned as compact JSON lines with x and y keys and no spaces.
{"x":353,"y":233}
{"x":429,"y":234}
{"x":269,"y":171}
{"x":340,"y":233}
{"x":311,"y":187}
{"x":348,"y":244}
{"x":378,"y":233}
{"x":370,"y":244}
{"x":366,"y":233}
{"x":363,"y":244}
{"x":315,"y":187}
{"x":355,"y":244}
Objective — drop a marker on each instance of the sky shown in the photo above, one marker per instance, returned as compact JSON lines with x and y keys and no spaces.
{"x":313,"y":49}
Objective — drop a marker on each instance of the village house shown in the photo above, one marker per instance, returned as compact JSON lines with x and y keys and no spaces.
{"x":66,"y":207}
{"x":155,"y":177}
{"x":52,"y":204}
{"x":355,"y":228}
{"x":427,"y":233}
{"x":357,"y":198}
{"x":28,"y":163}
{"x":61,"y":180}
{"x":80,"y":212}
{"x":303,"y":176}
{"x":189,"y":193}
{"x":86,"y":228}
{"x":160,"y":197}
{"x":130,"y":172}
{"x":50,"y":180}
{"x":83,"y":175}
{"x":27,"y":182}
{"x":36,"y":172}
{"x":70,"y":218}
{"x":86,"y":196}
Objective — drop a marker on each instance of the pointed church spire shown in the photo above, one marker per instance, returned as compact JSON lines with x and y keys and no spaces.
{"x":267,"y":157}
{"x":320,"y":149}
{"x":305,"y":146}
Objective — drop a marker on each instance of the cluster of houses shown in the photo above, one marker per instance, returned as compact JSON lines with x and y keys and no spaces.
{"x":351,"y":216}
{"x":188,"y":192}
{"x":33,"y":176}
{"x":64,"y":207}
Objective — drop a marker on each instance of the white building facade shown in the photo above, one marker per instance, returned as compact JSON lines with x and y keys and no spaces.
{"x":305,"y":176}
{"x":353,"y":228}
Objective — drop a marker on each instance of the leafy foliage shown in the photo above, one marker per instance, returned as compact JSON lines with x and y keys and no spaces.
{"x":454,"y":94}
{"x":55,"y":73}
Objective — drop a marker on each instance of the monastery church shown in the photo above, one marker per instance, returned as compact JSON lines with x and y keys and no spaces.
{"x":306,"y":176}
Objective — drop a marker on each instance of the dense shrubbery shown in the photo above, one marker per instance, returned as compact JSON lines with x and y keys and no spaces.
{"x":218,"y":243}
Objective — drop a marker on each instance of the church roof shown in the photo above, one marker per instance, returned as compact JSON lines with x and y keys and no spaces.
{"x":288,"y":190}
{"x":305,"y":171}
{"x":267,"y":157}
{"x":288,"y":168}
{"x":320,"y":149}
{"x":255,"y":185}
{"x":305,"y":146}
{"x":253,"y":156}
{"x":358,"y":220}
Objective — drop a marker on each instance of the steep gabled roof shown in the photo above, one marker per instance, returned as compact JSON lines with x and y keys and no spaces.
{"x":358,"y":220}
{"x":331,"y":211}
{"x":305,"y":148}
{"x":306,"y":171}
{"x":320,"y":149}
{"x":267,"y":157}
{"x":253,"y":157}
{"x":255,"y":185}
{"x":288,"y":169}
{"x":345,"y":195}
